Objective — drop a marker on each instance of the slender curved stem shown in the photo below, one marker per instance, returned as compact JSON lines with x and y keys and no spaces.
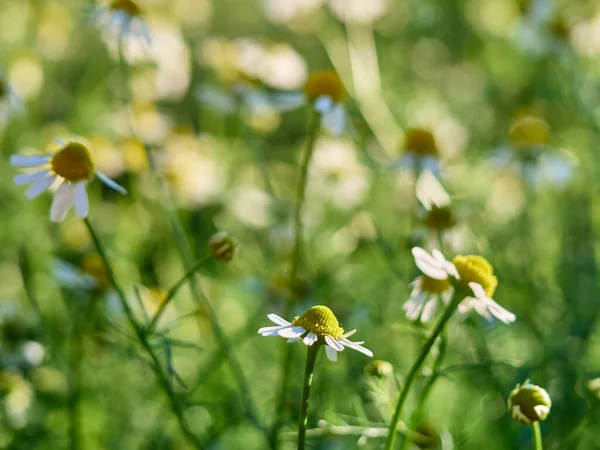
{"x":314,"y":126}
{"x":174,"y":290}
{"x":537,"y":436}
{"x":311,"y":358}
{"x":414,"y":370}
{"x":162,"y":379}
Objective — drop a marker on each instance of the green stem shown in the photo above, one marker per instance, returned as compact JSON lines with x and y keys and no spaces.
{"x":142,"y":336}
{"x":414,"y":370}
{"x":174,"y":290}
{"x":311,"y":358}
{"x":537,"y":436}
{"x":314,"y":126}
{"x":75,"y":356}
{"x":187,"y":259}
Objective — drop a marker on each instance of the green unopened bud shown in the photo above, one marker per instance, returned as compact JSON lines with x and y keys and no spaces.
{"x":379,"y":369}
{"x":529,"y":403}
{"x":222,"y":246}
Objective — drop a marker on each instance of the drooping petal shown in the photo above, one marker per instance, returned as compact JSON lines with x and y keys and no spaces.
{"x":290,"y":340}
{"x":63,"y":199}
{"x":331,"y":353}
{"x":430,"y":192}
{"x":277,"y":319}
{"x":110,"y":183}
{"x":429,"y":309}
{"x":356,"y":346}
{"x":499,"y":312}
{"x":429,"y":265}
{"x":270,"y":331}
{"x":335,"y":120}
{"x":291,"y":332}
{"x":29,"y":160}
{"x":349,"y":333}
{"x":310,"y":339}
{"x":324,"y":104}
{"x":333,"y":343}
{"x":26,"y":178}
{"x":39,"y":186}
{"x":82,"y":203}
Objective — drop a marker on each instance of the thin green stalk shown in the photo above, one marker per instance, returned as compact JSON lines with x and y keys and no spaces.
{"x":314,"y":126}
{"x":174,"y":290}
{"x":142,"y":336}
{"x":537,"y":436}
{"x":187,"y":259}
{"x":414,"y":370}
{"x":75,"y":357}
{"x":311,"y":358}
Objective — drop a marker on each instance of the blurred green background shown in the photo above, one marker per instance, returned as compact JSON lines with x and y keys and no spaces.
{"x":472,"y":72}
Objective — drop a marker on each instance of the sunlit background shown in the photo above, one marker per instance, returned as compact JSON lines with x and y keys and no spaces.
{"x":509,"y":92}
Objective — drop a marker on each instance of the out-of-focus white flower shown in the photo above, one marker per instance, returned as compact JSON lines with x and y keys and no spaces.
{"x":283,"y":11}
{"x":72,"y":165}
{"x":420,"y":151}
{"x":359,"y":11}
{"x":10,"y":103}
{"x":120,"y":18}
{"x":472,"y":273}
{"x":317,"y":325}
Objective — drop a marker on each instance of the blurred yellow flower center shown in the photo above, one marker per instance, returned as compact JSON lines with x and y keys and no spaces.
{"x":529,"y":131}
{"x":433,"y":286}
{"x":324,"y":84}
{"x":473,"y":268}
{"x":439,"y":219}
{"x":421,"y":142}
{"x":319,"y":320}
{"x":73,"y":162}
{"x":127,"y":6}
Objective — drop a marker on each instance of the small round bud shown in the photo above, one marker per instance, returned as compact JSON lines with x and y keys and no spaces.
{"x":222,"y":246}
{"x":379,"y":369}
{"x":529,"y":403}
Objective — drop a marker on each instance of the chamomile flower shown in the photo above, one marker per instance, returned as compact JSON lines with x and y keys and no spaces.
{"x":471,"y":273}
{"x":529,"y":403}
{"x":325,"y":92}
{"x":436,"y":202}
{"x":72,"y":165}
{"x":425,"y":297}
{"x":420,"y":151}
{"x":317,"y":325}
{"x":122,"y":18}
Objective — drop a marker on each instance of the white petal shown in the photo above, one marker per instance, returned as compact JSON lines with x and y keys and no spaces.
{"x":26,"y":178}
{"x":82,"y":203}
{"x":324,"y":104}
{"x":110,"y":183}
{"x":430,"y":192}
{"x":277,"y":319}
{"x":290,"y":340}
{"x":331,"y":354}
{"x":63,"y":199}
{"x":291,"y":332}
{"x":429,"y":265}
{"x":29,"y":160}
{"x":499,"y":312}
{"x":270,"y":331}
{"x":335,"y":120}
{"x":39,"y":186}
{"x":429,"y":309}
{"x":310,"y":339}
{"x":541,"y":410}
{"x":349,"y":333}
{"x":333,"y":343}
{"x":477,"y":290}
{"x":356,"y":346}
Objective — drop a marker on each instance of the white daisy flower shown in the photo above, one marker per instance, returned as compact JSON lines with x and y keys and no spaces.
{"x":420,"y":151}
{"x":425,"y":297}
{"x":122,"y":18}
{"x":325,"y":92}
{"x":72,"y":165}
{"x":317,"y":325}
{"x":472,"y":273}
{"x":10,"y":102}
{"x":438,"y":215}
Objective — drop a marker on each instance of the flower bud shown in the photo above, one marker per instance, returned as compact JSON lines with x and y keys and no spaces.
{"x":529,"y":403}
{"x":222,"y":246}
{"x":379,"y":369}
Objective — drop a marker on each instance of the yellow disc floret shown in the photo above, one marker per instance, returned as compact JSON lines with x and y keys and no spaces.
{"x":326,"y":83}
{"x":433,"y":286}
{"x":73,"y":163}
{"x":477,"y":269}
{"x":529,"y":131}
{"x":127,"y":6}
{"x":439,"y":218}
{"x":319,"y":320}
{"x":420,"y":142}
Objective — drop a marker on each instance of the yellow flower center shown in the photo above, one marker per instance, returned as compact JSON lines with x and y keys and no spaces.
{"x":473,"y":268}
{"x":439,"y":219}
{"x":529,"y":131}
{"x":421,"y":142}
{"x":319,"y":320}
{"x":326,"y":83}
{"x":127,"y":6}
{"x":433,"y":286}
{"x":73,"y":162}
